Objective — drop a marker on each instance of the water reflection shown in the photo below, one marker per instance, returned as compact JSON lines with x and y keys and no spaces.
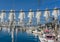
{"x":16,"y":36}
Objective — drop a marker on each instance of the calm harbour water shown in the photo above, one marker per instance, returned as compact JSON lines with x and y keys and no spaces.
{"x":19,"y":37}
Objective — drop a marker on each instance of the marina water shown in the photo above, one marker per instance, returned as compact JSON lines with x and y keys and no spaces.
{"x":19,"y":37}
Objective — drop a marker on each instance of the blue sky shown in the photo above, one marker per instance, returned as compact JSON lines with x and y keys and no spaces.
{"x":28,"y":4}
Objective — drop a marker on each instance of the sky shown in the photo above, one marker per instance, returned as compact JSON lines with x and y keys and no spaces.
{"x":17,"y":5}
{"x":28,"y":4}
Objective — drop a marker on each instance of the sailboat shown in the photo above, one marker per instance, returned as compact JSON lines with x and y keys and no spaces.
{"x":46,"y":15}
{"x":38,"y":15}
{"x":12,"y":16}
{"x":21,"y":17}
{"x":30,"y":16}
{"x":3,"y":16}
